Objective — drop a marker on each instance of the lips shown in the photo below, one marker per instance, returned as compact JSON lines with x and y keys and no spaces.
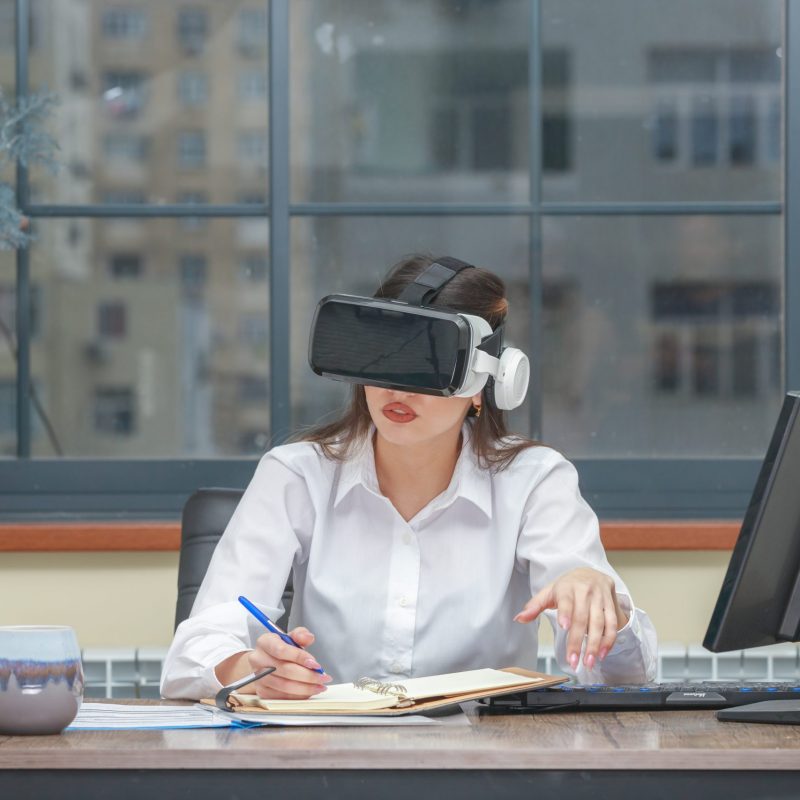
{"x":398,"y":412}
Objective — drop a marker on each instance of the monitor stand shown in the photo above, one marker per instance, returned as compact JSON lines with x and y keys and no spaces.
{"x":783,"y":712}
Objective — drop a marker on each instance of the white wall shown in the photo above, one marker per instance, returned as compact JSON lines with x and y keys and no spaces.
{"x":119,"y":599}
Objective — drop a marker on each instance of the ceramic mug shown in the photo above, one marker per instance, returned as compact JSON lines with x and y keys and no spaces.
{"x":41,"y":678}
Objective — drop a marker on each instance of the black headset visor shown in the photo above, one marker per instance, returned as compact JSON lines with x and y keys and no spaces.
{"x":390,"y":344}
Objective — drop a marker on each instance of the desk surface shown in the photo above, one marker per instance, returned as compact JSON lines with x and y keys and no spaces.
{"x":641,"y":741}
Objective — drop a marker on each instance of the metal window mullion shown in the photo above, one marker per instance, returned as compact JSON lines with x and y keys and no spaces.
{"x":535,"y":266}
{"x":791,"y":205}
{"x":23,"y":294}
{"x":147,"y":210}
{"x":279,"y":282}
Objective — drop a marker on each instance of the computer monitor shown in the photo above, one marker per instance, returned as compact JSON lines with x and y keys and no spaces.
{"x":759,"y":602}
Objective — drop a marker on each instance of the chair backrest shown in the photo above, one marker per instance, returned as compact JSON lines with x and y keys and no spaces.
{"x":205,"y":515}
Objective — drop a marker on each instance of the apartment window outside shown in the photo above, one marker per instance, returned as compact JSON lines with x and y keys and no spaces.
{"x":191,"y":149}
{"x":193,"y":89}
{"x":192,"y":198}
{"x":112,"y":320}
{"x":126,"y":148}
{"x":252,"y":31}
{"x":716,"y":107}
{"x":251,"y":150}
{"x":193,"y":271}
{"x":192,"y":30}
{"x":114,"y":411}
{"x":124,"y":93}
{"x":124,"y":23}
{"x":126,"y":266}
{"x":253,"y":86}
{"x":254,"y":267}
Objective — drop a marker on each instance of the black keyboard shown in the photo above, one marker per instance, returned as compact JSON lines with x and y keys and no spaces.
{"x":653,"y":696}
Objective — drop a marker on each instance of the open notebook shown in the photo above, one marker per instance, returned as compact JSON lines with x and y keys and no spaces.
{"x":370,"y":697}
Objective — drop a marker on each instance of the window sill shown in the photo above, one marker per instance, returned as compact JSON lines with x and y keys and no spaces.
{"x":103,"y":537}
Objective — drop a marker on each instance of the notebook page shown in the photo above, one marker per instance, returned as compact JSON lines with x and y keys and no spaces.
{"x":475,"y":680}
{"x":338,"y":696}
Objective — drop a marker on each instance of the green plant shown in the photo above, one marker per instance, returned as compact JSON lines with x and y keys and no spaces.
{"x":23,"y":140}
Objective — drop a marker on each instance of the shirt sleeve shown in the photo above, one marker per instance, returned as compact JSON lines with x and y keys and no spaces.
{"x":559,"y":532}
{"x":268,"y":531}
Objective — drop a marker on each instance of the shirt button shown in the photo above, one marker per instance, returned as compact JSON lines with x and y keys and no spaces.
{"x":406,"y":538}
{"x":403,"y":602}
{"x":396,"y":668}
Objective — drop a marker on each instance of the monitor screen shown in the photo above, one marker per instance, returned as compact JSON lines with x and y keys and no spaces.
{"x":759,"y":602}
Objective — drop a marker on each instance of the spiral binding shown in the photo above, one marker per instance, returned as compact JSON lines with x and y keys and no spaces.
{"x":372,"y":685}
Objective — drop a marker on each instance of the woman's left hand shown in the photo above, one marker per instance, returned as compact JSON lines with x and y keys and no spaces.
{"x":587,"y":605}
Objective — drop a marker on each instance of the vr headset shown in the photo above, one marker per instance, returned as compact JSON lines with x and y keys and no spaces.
{"x":408,"y":345}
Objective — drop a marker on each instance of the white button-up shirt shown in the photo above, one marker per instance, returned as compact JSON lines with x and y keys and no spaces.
{"x":387,"y":598}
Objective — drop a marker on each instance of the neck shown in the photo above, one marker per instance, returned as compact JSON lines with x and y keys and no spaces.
{"x":412,"y":475}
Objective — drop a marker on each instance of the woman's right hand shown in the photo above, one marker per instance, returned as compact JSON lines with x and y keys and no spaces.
{"x":294,"y":677}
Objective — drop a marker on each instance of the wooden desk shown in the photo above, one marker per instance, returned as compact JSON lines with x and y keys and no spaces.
{"x":641,"y":755}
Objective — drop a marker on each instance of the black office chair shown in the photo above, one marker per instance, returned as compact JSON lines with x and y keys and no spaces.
{"x":205,"y":515}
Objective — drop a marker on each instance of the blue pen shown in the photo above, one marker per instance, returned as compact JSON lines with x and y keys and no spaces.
{"x":267,"y":623}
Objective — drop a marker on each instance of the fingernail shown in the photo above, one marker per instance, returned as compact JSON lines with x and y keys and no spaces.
{"x":564,"y":622}
{"x":311,"y":664}
{"x":327,"y":678}
{"x":573,"y":661}
{"x":323,"y":688}
{"x":516,"y":619}
{"x":590,"y":661}
{"x":603,"y":653}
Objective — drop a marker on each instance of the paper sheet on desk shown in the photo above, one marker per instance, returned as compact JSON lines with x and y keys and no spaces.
{"x":117,"y":717}
{"x":329,"y":720}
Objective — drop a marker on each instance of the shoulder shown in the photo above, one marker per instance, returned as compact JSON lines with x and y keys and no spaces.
{"x":531,"y":465}
{"x":302,"y":459}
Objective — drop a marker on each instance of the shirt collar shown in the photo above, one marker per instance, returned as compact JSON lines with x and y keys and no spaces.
{"x":470,"y":481}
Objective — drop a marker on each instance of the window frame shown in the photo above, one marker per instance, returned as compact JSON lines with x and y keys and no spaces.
{"x":625,"y":488}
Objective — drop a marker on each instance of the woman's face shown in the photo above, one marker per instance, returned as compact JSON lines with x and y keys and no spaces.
{"x":407,"y":418}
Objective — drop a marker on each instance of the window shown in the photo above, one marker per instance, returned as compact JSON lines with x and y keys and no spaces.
{"x":251,"y":149}
{"x":124,"y":23}
{"x":191,"y":149}
{"x":125,"y":147}
{"x":252,"y":31}
{"x":192,"y":30}
{"x":111,"y":320}
{"x":716,"y":107}
{"x":254,"y":267}
{"x":192,"y":89}
{"x":8,"y":409}
{"x":253,"y":86}
{"x":192,"y":198}
{"x":661,"y":181}
{"x":114,"y":411}
{"x":125,"y":265}
{"x":124,"y":93}
{"x":193,"y":270}
{"x":714,"y":339}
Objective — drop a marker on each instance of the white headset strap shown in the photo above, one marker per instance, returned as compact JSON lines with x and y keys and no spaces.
{"x":482,"y":362}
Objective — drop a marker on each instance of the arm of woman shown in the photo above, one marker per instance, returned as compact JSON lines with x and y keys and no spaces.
{"x":267,"y":533}
{"x":600,"y":636}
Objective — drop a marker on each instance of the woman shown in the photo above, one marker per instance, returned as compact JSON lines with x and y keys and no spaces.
{"x":419,"y":533}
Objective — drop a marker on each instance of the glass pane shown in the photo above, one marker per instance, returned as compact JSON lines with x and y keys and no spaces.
{"x":424,"y":101}
{"x":662,"y":336}
{"x":152,"y":338}
{"x":352,"y":255}
{"x":8,"y":362}
{"x":652,"y":101}
{"x":159,"y":102}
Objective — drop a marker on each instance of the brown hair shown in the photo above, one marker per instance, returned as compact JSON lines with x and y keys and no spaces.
{"x":472,"y":291}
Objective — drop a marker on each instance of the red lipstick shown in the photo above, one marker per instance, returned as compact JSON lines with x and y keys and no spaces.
{"x":398,"y":412}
